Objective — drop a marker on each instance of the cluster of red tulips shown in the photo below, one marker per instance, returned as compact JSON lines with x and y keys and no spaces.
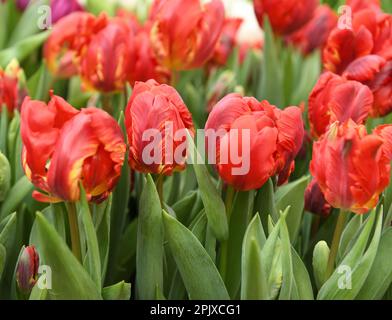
{"x":311,"y":97}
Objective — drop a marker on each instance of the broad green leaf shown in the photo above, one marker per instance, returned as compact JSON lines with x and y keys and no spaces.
{"x":356,"y":265}
{"x":102,"y":228}
{"x":265,"y":203}
{"x":28,"y":23}
{"x":301,"y":276}
{"x":289,"y":288}
{"x":69,"y":279}
{"x":15,"y":196}
{"x":149,"y":254}
{"x":119,"y":210}
{"x":254,"y":284}
{"x":201,"y":277}
{"x":8,"y":229}
{"x":240,"y":216}
{"x":37,"y":293}
{"x":92,"y":260}
{"x":5,"y":176}
{"x":3,"y":129}
{"x":23,"y":48}
{"x":292,"y":194}
{"x":380,"y":276}
{"x":183,"y":207}
{"x":213,"y":204}
{"x":348,"y":236}
{"x":119,"y":291}
{"x":125,"y":262}
{"x":271,"y":87}
{"x":40,"y":83}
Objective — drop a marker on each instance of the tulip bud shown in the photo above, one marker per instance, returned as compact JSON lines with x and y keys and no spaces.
{"x":5,"y":176}
{"x":12,"y":86}
{"x":62,"y":8}
{"x":22,"y":4}
{"x":320,"y":262}
{"x":315,"y":201}
{"x":27,"y":270}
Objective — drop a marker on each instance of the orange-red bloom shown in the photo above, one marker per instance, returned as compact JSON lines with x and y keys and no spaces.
{"x":314,"y":34}
{"x":154,"y":115}
{"x":146,"y":66}
{"x":363,"y":53}
{"x":275,"y":137}
{"x":285,"y":16}
{"x":108,"y":60}
{"x":68,"y":40}
{"x":63,"y":147}
{"x":358,"y":5}
{"x":12,"y":87}
{"x":335,"y":98}
{"x":184,"y":33}
{"x":351,"y":167}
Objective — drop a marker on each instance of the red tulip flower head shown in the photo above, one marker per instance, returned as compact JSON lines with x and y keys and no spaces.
{"x":156,"y":117}
{"x":12,"y":87}
{"x":285,"y":16}
{"x":184,"y":33}
{"x":335,"y":98}
{"x":253,"y":140}
{"x":63,"y":147}
{"x":314,"y":34}
{"x":109,"y":57}
{"x":68,"y":40}
{"x":350,"y":167}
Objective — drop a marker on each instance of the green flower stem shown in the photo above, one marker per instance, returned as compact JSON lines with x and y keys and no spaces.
{"x":230,"y":192}
{"x":107,"y":103}
{"x":74,"y":230}
{"x":336,"y":240}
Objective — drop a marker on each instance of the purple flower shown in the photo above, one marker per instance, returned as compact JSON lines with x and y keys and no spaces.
{"x":22,"y":4}
{"x":61,"y":8}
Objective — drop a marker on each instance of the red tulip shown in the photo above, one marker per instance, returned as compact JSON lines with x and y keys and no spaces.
{"x":12,"y":87}
{"x":184,"y":33}
{"x":385,"y":132}
{"x":285,"y":16}
{"x":362,"y":54}
{"x":315,"y":201}
{"x":350,"y":167}
{"x":63,"y":147}
{"x":27,"y":270}
{"x":156,"y":112}
{"x":226,"y":42}
{"x":314,"y":34}
{"x":273,"y":140}
{"x":62,"y":8}
{"x":358,"y":5}
{"x":336,"y":99}
{"x":68,"y":40}
{"x":146,"y":66}
{"x":108,"y":60}
{"x":344,"y":46}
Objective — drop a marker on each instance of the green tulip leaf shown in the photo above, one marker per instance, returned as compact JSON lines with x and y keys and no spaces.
{"x":149,"y":253}
{"x":201,"y":277}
